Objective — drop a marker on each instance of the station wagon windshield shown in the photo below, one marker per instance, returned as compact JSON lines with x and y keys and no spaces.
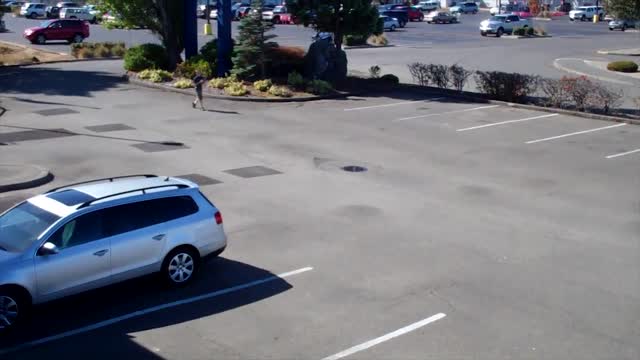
{"x":21,"y":226}
{"x":498,"y":18}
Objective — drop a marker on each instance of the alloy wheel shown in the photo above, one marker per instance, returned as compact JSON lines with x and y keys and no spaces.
{"x":181,"y":267}
{"x":8,"y":312}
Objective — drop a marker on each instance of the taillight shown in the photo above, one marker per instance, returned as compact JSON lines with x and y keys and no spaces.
{"x":218,"y":217}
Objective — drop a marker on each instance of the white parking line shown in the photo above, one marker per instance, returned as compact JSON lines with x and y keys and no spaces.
{"x":575,"y":133}
{"x":446,"y":113}
{"x":623,"y":154}
{"x":153,"y":309}
{"x":507,"y":122}
{"x":386,"y":337}
{"x":393,"y":104}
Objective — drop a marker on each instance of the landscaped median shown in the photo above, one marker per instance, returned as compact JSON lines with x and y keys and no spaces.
{"x":15,"y":54}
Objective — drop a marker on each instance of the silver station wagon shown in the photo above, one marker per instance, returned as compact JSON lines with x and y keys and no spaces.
{"x":92,"y":234}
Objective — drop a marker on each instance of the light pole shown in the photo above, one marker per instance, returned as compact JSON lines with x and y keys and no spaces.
{"x":207,"y":26}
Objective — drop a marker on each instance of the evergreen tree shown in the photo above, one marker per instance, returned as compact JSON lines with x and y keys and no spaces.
{"x":624,"y":9}
{"x":253,"y":44}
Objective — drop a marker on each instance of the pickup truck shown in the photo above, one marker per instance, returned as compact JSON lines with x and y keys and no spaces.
{"x":501,"y":24}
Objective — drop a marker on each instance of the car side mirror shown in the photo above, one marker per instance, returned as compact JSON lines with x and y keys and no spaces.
{"x":48,"y":249}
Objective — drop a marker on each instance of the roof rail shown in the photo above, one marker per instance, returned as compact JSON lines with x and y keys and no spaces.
{"x":110,"y":179}
{"x":144,"y":191}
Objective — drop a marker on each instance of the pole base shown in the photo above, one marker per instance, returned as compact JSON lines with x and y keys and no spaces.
{"x":207,"y":29}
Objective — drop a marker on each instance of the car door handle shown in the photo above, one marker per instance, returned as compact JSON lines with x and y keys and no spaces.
{"x":101,"y":252}
{"x":159,"y":237}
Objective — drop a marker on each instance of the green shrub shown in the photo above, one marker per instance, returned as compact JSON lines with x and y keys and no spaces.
{"x":319,"y":87}
{"x":623,"y":66}
{"x":119,"y":50}
{"x":236,"y":89}
{"x":209,"y":51}
{"x":195,"y":64}
{"x":262,"y":85}
{"x":354,"y":40}
{"x":155,"y":76}
{"x":146,"y":56}
{"x":390,"y":79}
{"x":511,"y":87}
{"x":86,"y":53}
{"x":280,"y":91}
{"x":530,"y":31}
{"x":519,"y":31}
{"x":295,"y":80}
{"x":221,"y":83}
{"x":183,"y":84}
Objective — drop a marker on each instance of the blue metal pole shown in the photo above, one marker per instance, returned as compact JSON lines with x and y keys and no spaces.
{"x":190,"y":28}
{"x":224,"y":37}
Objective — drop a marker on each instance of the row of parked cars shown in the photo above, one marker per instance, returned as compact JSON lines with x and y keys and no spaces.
{"x":62,"y":10}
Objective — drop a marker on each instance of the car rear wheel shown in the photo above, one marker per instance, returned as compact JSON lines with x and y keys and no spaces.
{"x":78,"y":39}
{"x":180,"y":266}
{"x":40,"y":39}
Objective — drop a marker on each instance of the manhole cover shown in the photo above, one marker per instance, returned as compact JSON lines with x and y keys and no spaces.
{"x":354,"y":168}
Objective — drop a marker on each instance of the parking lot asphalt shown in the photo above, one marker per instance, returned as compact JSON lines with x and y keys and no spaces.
{"x":477,"y":231}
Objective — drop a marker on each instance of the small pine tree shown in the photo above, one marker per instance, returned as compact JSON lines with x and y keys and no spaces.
{"x":253,"y":44}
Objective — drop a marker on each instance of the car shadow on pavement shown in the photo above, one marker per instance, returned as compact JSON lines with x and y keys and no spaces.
{"x":56,"y":81}
{"x":137,"y":295}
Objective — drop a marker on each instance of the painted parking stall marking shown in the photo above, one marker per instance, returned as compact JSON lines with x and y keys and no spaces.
{"x":575,"y":133}
{"x":623,"y":154}
{"x":389,"y":336}
{"x":508,"y":122}
{"x":153,"y":309}
{"x":446,"y":113}
{"x":393,"y":104}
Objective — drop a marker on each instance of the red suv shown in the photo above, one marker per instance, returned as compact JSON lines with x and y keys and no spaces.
{"x":69,"y":30}
{"x":414,"y":13}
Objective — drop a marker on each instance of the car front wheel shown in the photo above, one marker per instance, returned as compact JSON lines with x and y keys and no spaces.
{"x":483,"y":33}
{"x":180,"y":266}
{"x":393,"y":28}
{"x":499,"y":32}
{"x":40,"y":39}
{"x":624,"y":27}
{"x":13,"y":307}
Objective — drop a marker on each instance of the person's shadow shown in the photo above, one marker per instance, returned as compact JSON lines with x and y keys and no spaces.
{"x":120,"y":301}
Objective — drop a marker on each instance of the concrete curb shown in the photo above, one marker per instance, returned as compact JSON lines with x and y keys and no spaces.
{"x":366,"y":47}
{"x":620,"y":52}
{"x":475,"y":97}
{"x":191,"y":92}
{"x":512,"y":37}
{"x":58,"y":62}
{"x":42,"y":177}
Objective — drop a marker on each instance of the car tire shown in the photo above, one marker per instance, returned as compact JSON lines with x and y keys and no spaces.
{"x":474,"y":12}
{"x":583,"y":18}
{"x":392,"y":28}
{"x":499,"y":32}
{"x":180,"y":266}
{"x":421,"y":18}
{"x":41,"y":39}
{"x":428,"y":22}
{"x":403,"y":24}
{"x":14,"y":306}
{"x":77,"y":39}
{"x":94,"y":20}
{"x":624,"y":27}
{"x":483,"y":33}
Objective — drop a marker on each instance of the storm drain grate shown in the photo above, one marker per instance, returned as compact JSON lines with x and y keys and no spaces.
{"x":252,"y":171}
{"x":200,"y":179}
{"x":56,"y":111}
{"x":108,"y":127}
{"x":157,"y":146}
{"x":354,"y":168}
{"x":18,"y":136}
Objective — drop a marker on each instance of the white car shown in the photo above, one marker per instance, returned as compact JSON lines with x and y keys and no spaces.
{"x":77,"y":13}
{"x":501,"y":24}
{"x":390,"y":23}
{"x":33,"y":10}
{"x":584,"y":13}
{"x":430,"y":5}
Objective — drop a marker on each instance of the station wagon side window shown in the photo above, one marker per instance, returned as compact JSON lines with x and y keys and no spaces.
{"x":513,"y":18}
{"x":130,"y":217}
{"x":81,"y":230}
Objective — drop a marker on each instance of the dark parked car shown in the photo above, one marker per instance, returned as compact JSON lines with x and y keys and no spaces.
{"x":52,"y":12}
{"x":401,"y":15}
{"x":69,"y":30}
